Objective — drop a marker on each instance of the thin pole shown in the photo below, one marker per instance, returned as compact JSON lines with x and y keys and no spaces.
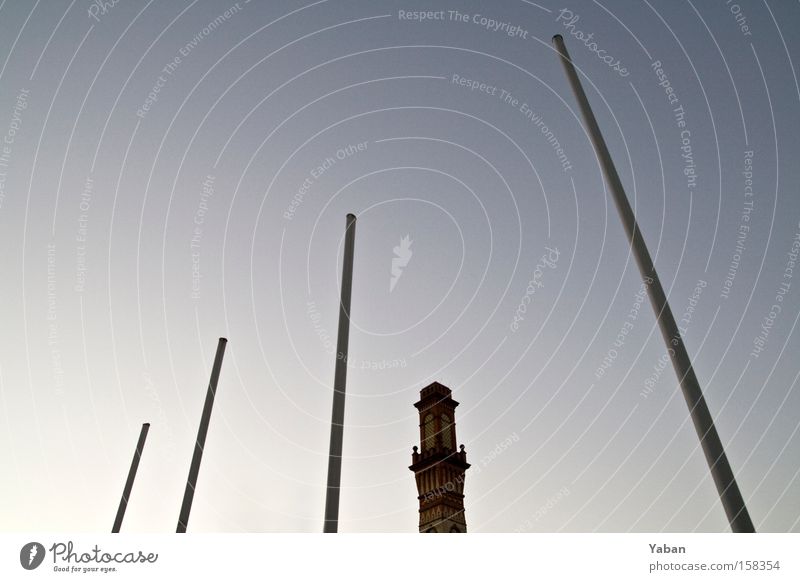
{"x":126,"y":493}
{"x":200,"y":444}
{"x":339,"y":383}
{"x":721,"y":471}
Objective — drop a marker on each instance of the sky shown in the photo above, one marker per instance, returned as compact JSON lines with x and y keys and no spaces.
{"x":176,"y":172}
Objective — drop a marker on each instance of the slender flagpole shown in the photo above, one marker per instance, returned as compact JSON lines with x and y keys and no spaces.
{"x":200,"y":444}
{"x":126,"y":493}
{"x":721,"y":471}
{"x":339,"y":383}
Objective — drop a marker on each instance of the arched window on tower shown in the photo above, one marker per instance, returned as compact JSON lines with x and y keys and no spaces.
{"x":447,"y":432}
{"x":454,"y":529}
{"x":428,"y":432}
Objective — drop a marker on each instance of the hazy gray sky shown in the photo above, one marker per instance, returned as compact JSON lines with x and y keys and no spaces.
{"x":173,"y":172}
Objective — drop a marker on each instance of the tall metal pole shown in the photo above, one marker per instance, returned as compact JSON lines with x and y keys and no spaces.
{"x":200,"y":444}
{"x":339,"y":383}
{"x":126,"y":493}
{"x":721,"y":472}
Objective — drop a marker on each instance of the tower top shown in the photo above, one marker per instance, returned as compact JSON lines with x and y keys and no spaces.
{"x":435,"y":393}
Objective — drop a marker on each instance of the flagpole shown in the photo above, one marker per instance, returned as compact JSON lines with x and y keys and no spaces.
{"x":339,"y":384}
{"x":126,"y":492}
{"x":721,"y":471}
{"x":200,"y":443}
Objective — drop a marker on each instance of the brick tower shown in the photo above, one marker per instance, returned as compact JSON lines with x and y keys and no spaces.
{"x":439,"y":468}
